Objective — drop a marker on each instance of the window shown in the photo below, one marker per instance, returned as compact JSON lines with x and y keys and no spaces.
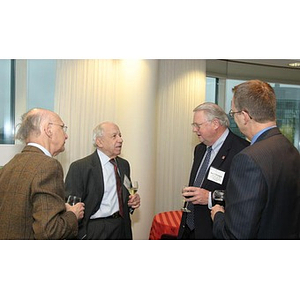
{"x":288,"y":107}
{"x":36,"y":88}
{"x":7,"y":101}
{"x":211,"y":89}
{"x":41,"y":75}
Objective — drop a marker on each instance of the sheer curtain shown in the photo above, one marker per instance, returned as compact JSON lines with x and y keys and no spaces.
{"x":122,"y":91}
{"x":152,"y":101}
{"x":85,"y":96}
{"x":181,"y":88}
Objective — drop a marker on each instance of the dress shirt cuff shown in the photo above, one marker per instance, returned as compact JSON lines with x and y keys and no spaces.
{"x":209,"y":201}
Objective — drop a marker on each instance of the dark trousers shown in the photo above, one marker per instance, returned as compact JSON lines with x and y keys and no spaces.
{"x":106,"y":229}
{"x":188,"y":234}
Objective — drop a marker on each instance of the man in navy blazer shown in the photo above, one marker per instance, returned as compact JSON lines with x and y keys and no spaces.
{"x":211,"y":126}
{"x":263,"y":192}
{"x":94,"y":180}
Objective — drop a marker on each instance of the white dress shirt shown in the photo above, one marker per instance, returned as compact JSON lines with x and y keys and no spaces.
{"x":109,"y":204}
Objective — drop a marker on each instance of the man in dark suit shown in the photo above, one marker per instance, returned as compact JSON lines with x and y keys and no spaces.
{"x":93,"y":178}
{"x":211,"y":126}
{"x":32,"y":204}
{"x":263,"y":191}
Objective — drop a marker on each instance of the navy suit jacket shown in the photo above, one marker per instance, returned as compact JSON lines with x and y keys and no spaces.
{"x":232,"y":145}
{"x":85,"y":179}
{"x":263,"y":192}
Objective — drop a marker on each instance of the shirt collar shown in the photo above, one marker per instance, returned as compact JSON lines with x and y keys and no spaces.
{"x":256,"y":136}
{"x":103,"y":157}
{"x":41,"y":148}
{"x":220,"y":140}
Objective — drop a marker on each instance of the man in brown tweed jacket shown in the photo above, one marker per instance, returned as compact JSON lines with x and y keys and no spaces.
{"x":32,"y":202}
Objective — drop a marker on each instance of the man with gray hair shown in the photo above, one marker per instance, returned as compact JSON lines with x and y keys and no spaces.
{"x":99,"y":180}
{"x":210,"y":170}
{"x":32,"y":203}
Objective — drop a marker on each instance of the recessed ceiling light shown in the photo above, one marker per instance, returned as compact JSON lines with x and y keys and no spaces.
{"x":295,"y":65}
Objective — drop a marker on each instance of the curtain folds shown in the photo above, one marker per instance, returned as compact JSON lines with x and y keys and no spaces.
{"x":85,"y":96}
{"x":152,"y":101}
{"x":181,"y":88}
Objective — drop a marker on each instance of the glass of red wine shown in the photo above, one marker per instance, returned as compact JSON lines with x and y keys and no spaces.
{"x":185,"y":203}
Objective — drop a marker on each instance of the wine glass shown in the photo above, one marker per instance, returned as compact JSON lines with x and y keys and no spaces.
{"x":132,"y":190}
{"x":72,"y":200}
{"x":185,"y":203}
{"x":218,"y":197}
{"x":134,"y":187}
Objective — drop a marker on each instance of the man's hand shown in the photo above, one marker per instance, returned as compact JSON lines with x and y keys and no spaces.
{"x":216,"y":209}
{"x":195,"y":195}
{"x":77,"y":209}
{"x":134,"y":201}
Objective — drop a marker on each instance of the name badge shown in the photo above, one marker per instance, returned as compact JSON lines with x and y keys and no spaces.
{"x":216,"y":175}
{"x":127,"y":182}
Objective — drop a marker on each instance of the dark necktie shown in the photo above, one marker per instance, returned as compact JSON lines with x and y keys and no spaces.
{"x":119,"y":187}
{"x":198,"y":182}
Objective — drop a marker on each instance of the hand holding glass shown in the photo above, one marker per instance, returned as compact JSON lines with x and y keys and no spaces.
{"x":72,"y":200}
{"x":134,"y":187}
{"x":185,"y":204}
{"x":218,"y":197}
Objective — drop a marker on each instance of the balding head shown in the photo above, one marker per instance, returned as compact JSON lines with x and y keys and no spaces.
{"x":43,"y":127}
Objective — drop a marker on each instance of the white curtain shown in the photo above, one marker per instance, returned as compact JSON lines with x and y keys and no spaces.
{"x":152,"y":101}
{"x":91,"y":91}
{"x":181,"y":89}
{"x":85,"y":96}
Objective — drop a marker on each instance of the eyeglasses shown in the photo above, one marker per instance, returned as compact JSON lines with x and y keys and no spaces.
{"x":198,"y":125}
{"x":232,"y":113}
{"x":64,"y":127}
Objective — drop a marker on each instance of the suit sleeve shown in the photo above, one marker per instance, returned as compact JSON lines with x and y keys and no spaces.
{"x":73,"y":182}
{"x":246,"y":190}
{"x":51,"y":220}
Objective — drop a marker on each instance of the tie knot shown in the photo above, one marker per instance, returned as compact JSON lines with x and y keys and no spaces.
{"x":209,"y":149}
{"x":113,"y":161}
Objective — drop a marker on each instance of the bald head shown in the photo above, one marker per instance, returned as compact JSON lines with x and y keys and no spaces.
{"x":108,"y":139}
{"x":43,"y":127}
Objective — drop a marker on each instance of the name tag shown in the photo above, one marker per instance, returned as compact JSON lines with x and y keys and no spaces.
{"x":216,"y":175}
{"x":127,"y":182}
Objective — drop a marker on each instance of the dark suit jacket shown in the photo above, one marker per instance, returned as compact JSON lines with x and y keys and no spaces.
{"x":32,"y":202}
{"x":85,"y":179}
{"x":263,"y":192}
{"x":231,"y":146}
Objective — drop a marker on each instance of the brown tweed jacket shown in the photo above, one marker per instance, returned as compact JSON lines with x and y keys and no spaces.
{"x":32,"y":198}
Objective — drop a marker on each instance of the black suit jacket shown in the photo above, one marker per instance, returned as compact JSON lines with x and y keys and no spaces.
{"x":85,"y":179}
{"x":263,"y":192}
{"x":231,"y":146}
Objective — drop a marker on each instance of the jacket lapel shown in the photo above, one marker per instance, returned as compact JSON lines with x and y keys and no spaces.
{"x":223,"y":152}
{"x":98,"y":177}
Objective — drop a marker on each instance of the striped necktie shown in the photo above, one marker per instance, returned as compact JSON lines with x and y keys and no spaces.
{"x":119,"y":187}
{"x":198,"y":182}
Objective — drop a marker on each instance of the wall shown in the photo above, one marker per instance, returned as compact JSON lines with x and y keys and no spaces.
{"x":8,"y":152}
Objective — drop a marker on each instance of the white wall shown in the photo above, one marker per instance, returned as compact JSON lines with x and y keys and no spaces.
{"x":136,"y":116}
{"x":7,"y":152}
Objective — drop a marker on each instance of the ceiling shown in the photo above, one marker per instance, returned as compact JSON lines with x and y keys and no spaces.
{"x":269,"y":62}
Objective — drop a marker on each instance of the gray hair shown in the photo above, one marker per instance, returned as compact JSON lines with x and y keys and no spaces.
{"x":213,"y":111}
{"x":97,"y":132}
{"x":30,"y":124}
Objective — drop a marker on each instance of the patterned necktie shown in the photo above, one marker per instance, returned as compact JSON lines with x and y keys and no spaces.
{"x":198,"y":182}
{"x":119,"y":187}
